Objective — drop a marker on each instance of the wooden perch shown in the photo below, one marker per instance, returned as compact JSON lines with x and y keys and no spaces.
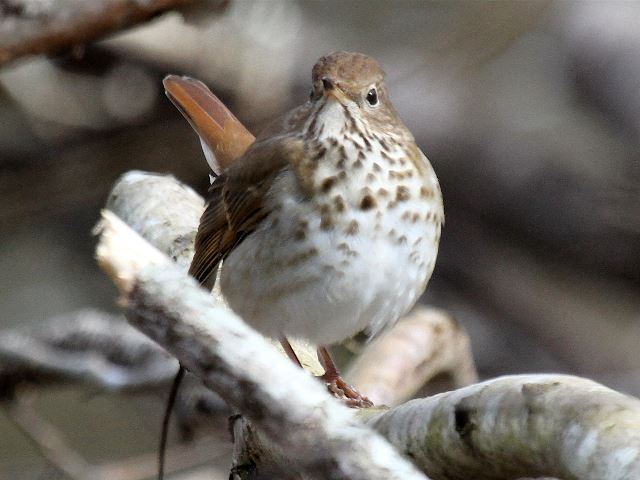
{"x":292,"y":410}
{"x":424,"y":344}
{"x":520,"y":426}
{"x":29,"y":27}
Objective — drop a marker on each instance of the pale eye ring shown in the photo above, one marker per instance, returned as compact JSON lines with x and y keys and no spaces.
{"x":372,"y":97}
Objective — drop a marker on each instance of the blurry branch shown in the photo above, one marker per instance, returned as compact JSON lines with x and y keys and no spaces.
{"x":520,"y":426}
{"x":29,"y":27}
{"x":47,"y":440}
{"x":89,"y":346}
{"x":52,"y":445}
{"x":179,"y":457}
{"x":292,"y":410}
{"x":421,"y":346}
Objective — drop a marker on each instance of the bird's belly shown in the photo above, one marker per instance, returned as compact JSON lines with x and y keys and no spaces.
{"x":329,"y":284}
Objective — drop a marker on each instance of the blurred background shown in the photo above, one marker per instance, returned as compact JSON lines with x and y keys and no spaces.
{"x":528,"y":110}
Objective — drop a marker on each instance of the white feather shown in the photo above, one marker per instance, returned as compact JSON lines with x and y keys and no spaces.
{"x":211,"y":158}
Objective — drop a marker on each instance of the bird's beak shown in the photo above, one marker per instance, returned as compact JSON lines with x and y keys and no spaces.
{"x":331,"y":90}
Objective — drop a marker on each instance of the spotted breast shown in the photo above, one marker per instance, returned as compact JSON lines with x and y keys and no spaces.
{"x":348,"y":223}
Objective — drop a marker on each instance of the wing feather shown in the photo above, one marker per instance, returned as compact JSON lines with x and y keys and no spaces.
{"x":237,"y":204}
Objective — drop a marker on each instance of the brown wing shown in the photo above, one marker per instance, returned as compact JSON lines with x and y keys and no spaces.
{"x":236,"y":203}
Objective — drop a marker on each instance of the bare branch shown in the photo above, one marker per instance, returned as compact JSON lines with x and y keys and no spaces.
{"x":516,"y":426}
{"x":292,"y":410}
{"x":162,"y":210}
{"x":88,"y":345}
{"x":422,"y":345}
{"x":29,"y":27}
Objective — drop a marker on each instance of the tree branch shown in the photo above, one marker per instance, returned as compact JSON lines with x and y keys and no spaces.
{"x":516,"y":426}
{"x":87,"y":345}
{"x":29,"y":27}
{"x":422,"y":345}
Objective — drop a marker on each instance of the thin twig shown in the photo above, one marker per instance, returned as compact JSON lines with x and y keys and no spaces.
{"x":29,"y":27}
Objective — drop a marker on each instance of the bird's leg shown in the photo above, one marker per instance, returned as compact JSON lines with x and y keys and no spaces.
{"x":288,"y":349}
{"x":336,"y":384}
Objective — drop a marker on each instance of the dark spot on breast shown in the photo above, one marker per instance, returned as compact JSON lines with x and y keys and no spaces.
{"x":346,"y":250}
{"x":402,"y":193}
{"x":342,"y":175}
{"x":387,"y":157}
{"x":300,"y":234}
{"x":352,"y":228}
{"x":302,"y":256}
{"x":338,"y":201}
{"x":342,"y":152}
{"x":426,"y":192}
{"x":326,"y":222}
{"x":367,"y":202}
{"x":376,"y":167}
{"x":366,"y":142}
{"x":327,"y":184}
{"x":370,"y":177}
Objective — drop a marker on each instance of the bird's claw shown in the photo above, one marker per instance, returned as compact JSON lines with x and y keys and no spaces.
{"x":345,"y":392}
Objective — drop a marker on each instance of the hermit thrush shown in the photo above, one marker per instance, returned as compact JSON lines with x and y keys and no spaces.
{"x":328,"y":224}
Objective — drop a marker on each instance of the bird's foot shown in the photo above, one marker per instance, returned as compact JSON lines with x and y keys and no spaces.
{"x":345,"y":392}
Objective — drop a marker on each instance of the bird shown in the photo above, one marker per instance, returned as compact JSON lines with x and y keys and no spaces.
{"x":326,"y":226}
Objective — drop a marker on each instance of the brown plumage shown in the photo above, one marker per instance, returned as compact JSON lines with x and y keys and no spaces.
{"x":235,"y":204}
{"x":317,"y":221}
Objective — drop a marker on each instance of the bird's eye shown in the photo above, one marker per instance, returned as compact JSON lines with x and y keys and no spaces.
{"x":372,"y":97}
